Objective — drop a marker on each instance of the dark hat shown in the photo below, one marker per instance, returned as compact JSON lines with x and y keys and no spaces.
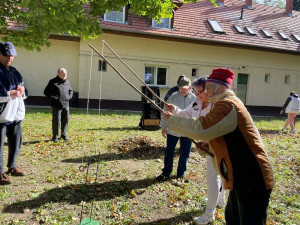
{"x":180,"y":77}
{"x":184,"y":82}
{"x":221,"y":76}
{"x":7,"y":48}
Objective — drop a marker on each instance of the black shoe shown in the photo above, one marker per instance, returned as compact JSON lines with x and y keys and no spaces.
{"x":65,"y":137}
{"x":55,"y":139}
{"x":183,"y":178}
{"x":162,"y":178}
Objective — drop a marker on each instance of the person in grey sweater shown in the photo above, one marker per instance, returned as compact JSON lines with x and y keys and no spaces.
{"x":59,"y":91}
{"x":181,"y":99}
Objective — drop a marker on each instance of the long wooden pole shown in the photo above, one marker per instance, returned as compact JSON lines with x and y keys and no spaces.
{"x":120,"y":74}
{"x":142,"y":94}
{"x":131,"y":70}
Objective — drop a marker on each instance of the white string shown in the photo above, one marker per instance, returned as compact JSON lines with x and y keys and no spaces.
{"x":100,"y":85}
{"x":88,"y":100}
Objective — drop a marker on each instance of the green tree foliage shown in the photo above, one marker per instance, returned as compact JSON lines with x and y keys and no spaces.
{"x":40,"y":18}
{"x":296,"y":5}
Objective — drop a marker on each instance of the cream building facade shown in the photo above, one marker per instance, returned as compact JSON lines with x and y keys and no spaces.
{"x":265,"y":75}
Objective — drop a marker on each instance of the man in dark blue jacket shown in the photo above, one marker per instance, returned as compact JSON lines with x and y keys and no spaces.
{"x":59,"y":92}
{"x":12,"y":111}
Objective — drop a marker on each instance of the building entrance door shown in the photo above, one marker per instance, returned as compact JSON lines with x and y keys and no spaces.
{"x":242,"y":87}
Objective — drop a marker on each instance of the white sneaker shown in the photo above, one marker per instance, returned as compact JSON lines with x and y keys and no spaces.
{"x":204,"y":219}
{"x":292,"y":131}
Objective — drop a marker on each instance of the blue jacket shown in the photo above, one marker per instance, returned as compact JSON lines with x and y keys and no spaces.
{"x":11,"y":109}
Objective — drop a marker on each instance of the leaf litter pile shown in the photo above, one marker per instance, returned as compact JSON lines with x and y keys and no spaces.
{"x":140,"y":147}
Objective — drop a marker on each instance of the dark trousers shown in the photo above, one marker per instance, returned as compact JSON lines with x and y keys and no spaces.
{"x":247,"y":207}
{"x":14,"y":140}
{"x":60,"y":116}
{"x":185,"y":149}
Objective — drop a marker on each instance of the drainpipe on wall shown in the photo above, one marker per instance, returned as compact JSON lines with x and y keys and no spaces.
{"x":289,"y":7}
{"x":248,"y":4}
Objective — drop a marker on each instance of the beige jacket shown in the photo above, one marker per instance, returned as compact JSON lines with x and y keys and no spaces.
{"x":240,"y":155}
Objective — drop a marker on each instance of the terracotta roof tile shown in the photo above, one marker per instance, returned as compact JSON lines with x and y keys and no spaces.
{"x":190,"y":22}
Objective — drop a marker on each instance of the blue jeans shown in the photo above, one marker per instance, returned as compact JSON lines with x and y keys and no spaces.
{"x":185,"y":149}
{"x":14,"y":141}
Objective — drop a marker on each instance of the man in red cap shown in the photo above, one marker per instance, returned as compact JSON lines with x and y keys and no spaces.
{"x":240,"y":156}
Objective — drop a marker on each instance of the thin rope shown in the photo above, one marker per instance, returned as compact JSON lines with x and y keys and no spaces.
{"x":95,"y":188}
{"x":88,"y":100}
{"x":82,"y":168}
{"x":86,"y":180}
{"x":101,"y":73}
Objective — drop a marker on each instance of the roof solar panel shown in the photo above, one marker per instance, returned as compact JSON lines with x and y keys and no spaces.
{"x":216,"y":26}
{"x":239,"y":29}
{"x":267,"y":33}
{"x":296,"y":37}
{"x":283,"y":35}
{"x":250,"y":30}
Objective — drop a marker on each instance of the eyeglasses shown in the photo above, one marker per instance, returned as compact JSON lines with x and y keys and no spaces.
{"x":198,"y":92}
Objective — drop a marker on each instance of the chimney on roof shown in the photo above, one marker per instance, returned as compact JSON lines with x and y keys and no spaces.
{"x":248,"y":4}
{"x":220,"y":2}
{"x":289,"y":7}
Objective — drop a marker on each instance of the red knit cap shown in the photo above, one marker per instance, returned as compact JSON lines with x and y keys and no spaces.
{"x":222,"y":76}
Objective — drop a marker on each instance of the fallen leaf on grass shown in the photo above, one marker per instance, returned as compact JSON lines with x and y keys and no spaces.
{"x":132,"y":193}
{"x":25,"y":210}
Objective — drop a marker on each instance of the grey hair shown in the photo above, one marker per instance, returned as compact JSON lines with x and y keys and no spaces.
{"x":61,"y":69}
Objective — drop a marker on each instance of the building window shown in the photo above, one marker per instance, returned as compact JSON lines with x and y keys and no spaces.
{"x":164,"y":23}
{"x":239,"y":29}
{"x":283,"y":35}
{"x":250,"y":30}
{"x":155,"y":75}
{"x":296,"y":37}
{"x":267,"y":78}
{"x":115,"y":16}
{"x":194,"y":72}
{"x":102,"y":66}
{"x":287,"y":79}
{"x":216,"y":26}
{"x":266,"y":33}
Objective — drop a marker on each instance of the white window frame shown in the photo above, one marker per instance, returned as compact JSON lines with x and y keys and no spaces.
{"x":282,"y":35}
{"x":216,"y":26}
{"x":266,"y":33}
{"x":251,"y":30}
{"x":155,"y":74}
{"x":123,"y":17}
{"x":154,"y":22}
{"x":239,"y":29}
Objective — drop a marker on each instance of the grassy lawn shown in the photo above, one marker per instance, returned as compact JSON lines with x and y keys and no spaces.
{"x":127,"y":160}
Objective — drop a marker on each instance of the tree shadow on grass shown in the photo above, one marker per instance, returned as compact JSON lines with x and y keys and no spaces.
{"x":113,"y":128}
{"x":35,"y":142}
{"x":75,"y":193}
{"x":31,"y":142}
{"x":270,"y":132}
{"x":152,"y":153}
{"x":182,"y":218}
